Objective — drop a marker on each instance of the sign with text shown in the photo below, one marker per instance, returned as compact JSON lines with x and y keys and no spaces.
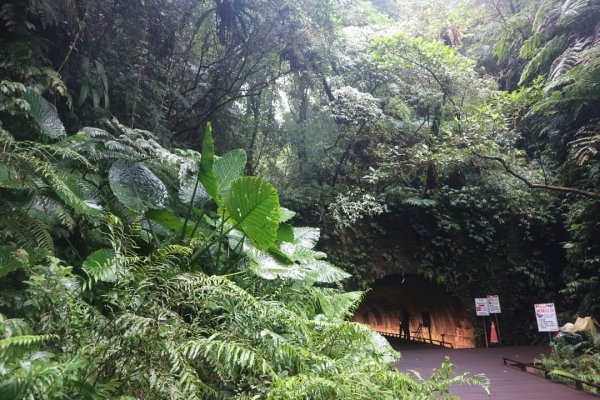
{"x":545,"y":315}
{"x":494,"y":304}
{"x":481,"y":307}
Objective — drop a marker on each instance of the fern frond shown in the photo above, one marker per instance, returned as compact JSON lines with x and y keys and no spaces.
{"x":578,"y":85}
{"x":203,"y":286}
{"x":309,"y":386}
{"x":570,"y":58}
{"x":135,"y":325}
{"x":101,"y":266}
{"x":420,"y":202}
{"x":32,"y":380}
{"x":544,"y":58}
{"x":586,"y":144}
{"x":230,"y":357}
{"x":25,"y":341}
{"x":28,"y":232}
{"x":191,"y":384}
{"x":53,"y":152}
{"x":50,"y":208}
{"x":579,"y":12}
{"x":122,"y":150}
{"x":13,"y":327}
{"x":175,"y":256}
{"x":57,"y":181}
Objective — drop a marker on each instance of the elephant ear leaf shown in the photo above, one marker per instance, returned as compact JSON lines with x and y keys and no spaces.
{"x":269,"y":267}
{"x":45,"y":115}
{"x":306,"y":237}
{"x":286,"y":215}
{"x":207,"y":174}
{"x":228,"y":168}
{"x":136,"y":186}
{"x":253,"y":206}
{"x":324,"y":272}
{"x":285,"y":233}
{"x":192,"y":190}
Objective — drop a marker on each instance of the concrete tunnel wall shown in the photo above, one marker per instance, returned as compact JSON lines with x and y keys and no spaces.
{"x":382,"y":309}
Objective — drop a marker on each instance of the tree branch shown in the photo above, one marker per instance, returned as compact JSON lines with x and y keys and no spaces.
{"x":562,"y":189}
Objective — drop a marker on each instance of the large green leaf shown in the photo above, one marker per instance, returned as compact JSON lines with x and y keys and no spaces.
{"x":10,"y":388}
{"x":45,"y":115}
{"x":265,"y":264}
{"x":253,"y":206}
{"x":301,"y":248}
{"x":269,"y":267}
{"x":136,"y":186}
{"x":228,"y":168}
{"x":323,"y":272}
{"x":306,"y":236}
{"x":192,"y":189}
{"x":292,"y":261}
{"x":285,"y":233}
{"x":173,"y":223}
{"x":207,"y":175}
{"x":286,"y":214}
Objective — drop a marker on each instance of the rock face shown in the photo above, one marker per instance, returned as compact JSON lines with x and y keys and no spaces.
{"x":395,"y":298}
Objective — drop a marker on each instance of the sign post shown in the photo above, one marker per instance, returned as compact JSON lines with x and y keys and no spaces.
{"x":494,"y":306}
{"x":545,"y":315}
{"x":482,"y":310}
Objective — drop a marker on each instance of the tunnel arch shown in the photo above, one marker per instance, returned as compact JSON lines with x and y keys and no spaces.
{"x":391,"y":297}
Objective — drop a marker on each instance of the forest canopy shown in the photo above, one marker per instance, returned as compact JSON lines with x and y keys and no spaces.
{"x":195,"y":193}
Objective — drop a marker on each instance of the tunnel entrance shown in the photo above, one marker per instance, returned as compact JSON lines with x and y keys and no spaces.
{"x":413,"y":298}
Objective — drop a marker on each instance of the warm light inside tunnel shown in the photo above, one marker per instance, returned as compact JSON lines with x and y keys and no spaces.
{"x":395,"y":298}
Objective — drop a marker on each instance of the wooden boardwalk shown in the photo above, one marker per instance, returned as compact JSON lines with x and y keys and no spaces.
{"x":506,"y":383}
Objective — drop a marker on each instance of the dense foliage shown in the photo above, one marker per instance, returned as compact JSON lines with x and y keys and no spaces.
{"x":458,"y":140}
{"x":227,"y":302}
{"x":466,"y":151}
{"x":578,"y":359}
{"x":133,"y":269}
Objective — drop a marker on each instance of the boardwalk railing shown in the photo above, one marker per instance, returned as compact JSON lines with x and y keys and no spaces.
{"x":579,"y":383}
{"x":420,"y":339}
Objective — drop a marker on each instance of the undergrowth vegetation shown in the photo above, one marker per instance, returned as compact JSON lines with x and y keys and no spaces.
{"x":457,"y":140}
{"x":129,"y":270}
{"x":195,"y":288}
{"x":574,"y":360}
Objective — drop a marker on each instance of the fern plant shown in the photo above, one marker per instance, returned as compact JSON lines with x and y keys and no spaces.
{"x":580,"y":361}
{"x":188,"y":281}
{"x":159,"y":324}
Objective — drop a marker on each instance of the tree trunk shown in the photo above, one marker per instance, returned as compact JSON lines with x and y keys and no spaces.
{"x":253,"y":109}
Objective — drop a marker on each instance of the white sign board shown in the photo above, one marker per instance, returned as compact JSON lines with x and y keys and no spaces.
{"x":481,"y":307}
{"x":494,"y":304}
{"x":545,"y":315}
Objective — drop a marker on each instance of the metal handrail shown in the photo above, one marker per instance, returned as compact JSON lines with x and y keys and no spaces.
{"x":523,"y":366}
{"x":442,"y":343}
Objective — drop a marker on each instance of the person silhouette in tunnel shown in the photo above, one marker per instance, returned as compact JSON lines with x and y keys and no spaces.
{"x":405,"y":324}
